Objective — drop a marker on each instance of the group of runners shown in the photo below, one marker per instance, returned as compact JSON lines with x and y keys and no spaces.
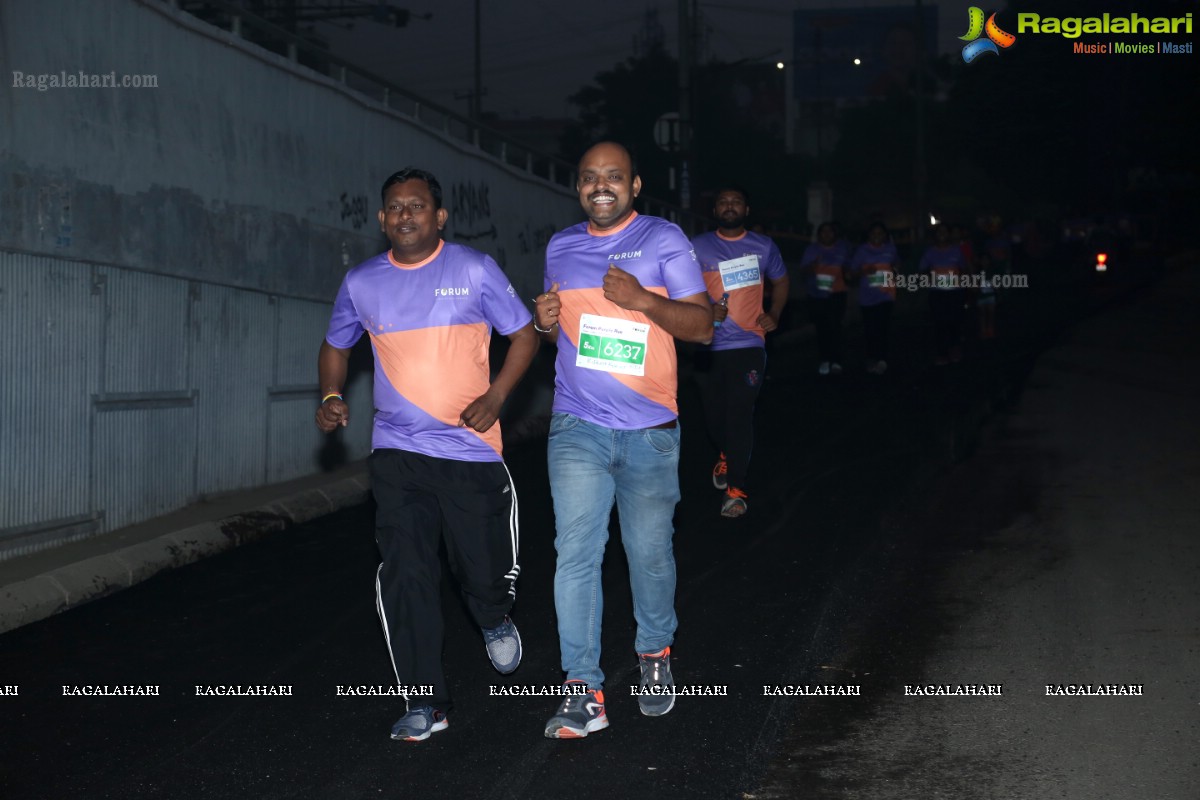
{"x":951,"y":269}
{"x":620,"y":289}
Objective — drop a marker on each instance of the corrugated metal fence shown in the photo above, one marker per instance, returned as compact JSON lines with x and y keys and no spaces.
{"x":131,"y":394}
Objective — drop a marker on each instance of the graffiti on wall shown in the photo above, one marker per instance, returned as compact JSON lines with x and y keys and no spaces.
{"x":534,"y":238}
{"x":531,"y":240}
{"x":354,"y":209}
{"x":471,"y":212}
{"x":469,"y":202}
{"x":470,"y":207}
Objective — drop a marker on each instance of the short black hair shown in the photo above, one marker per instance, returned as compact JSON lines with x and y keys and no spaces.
{"x":412,"y":173}
{"x":732,"y":187}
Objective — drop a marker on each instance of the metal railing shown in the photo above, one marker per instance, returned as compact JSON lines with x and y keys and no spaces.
{"x":254,"y":29}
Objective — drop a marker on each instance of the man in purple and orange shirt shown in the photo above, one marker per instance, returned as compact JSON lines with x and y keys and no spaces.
{"x":735,"y":261}
{"x":620,"y":288}
{"x":436,"y":467}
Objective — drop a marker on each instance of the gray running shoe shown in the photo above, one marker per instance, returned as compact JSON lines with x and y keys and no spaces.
{"x":503,"y":646}
{"x":656,"y":693}
{"x":578,"y":714}
{"x":419,"y":724}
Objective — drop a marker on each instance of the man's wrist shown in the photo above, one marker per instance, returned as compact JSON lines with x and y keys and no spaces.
{"x":540,"y":329}
{"x":332,"y":395}
{"x":649,"y":301}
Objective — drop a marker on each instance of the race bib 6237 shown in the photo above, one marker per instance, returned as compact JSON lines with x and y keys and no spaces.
{"x":612,"y":345}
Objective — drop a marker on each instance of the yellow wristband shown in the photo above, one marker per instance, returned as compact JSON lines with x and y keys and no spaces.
{"x":325,"y":399}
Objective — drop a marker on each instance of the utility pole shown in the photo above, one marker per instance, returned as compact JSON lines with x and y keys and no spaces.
{"x":686,"y":59}
{"x":919,"y":176}
{"x":474,"y":96}
{"x":820,"y":104}
{"x":477,"y":95}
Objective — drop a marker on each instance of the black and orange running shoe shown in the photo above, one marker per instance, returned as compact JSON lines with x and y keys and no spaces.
{"x":656,"y":690}
{"x":735,"y":503}
{"x":579,"y":713}
{"x":419,"y":724}
{"x":720,"y":473}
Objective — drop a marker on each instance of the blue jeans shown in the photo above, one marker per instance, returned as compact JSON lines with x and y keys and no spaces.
{"x":590,"y":465}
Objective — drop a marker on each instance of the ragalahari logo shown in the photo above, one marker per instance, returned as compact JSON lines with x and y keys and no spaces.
{"x":996,"y":38}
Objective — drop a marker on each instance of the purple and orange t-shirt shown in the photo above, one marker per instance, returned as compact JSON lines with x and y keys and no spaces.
{"x":945,"y":264}
{"x":736,"y":267}
{"x":614,"y":367}
{"x":878,"y":267}
{"x":825,"y":265}
{"x":430,"y":326}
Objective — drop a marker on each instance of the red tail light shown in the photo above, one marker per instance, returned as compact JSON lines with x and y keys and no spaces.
{"x":1101,"y":262}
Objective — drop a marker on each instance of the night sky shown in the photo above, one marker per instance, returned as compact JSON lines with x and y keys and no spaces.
{"x":535,"y":53}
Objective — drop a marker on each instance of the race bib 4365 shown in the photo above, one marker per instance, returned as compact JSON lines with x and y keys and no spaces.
{"x":737,"y":273}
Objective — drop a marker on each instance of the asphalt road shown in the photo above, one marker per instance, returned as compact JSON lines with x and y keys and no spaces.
{"x":776,"y":598}
{"x":1059,"y":562}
